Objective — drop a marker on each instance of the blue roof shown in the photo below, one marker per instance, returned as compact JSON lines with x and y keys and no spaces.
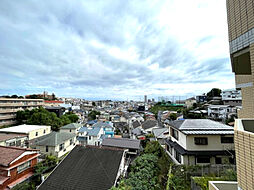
{"x":90,"y":131}
{"x":92,"y":122}
{"x":102,"y":124}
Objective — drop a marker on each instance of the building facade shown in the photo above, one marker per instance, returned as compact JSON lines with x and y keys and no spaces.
{"x":232,"y":97}
{"x":241,"y":41}
{"x":10,"y":106}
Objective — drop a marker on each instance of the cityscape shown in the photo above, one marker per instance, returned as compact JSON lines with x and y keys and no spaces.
{"x":113,"y":95}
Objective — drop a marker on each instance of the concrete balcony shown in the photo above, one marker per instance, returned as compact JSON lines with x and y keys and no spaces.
{"x":9,"y":110}
{"x":7,"y":123}
{"x":7,"y":117}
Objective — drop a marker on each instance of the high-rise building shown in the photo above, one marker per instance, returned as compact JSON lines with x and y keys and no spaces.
{"x":145,"y":98}
{"x":241,"y":40}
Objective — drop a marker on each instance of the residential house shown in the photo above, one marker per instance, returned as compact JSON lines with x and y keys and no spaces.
{"x":190,"y":102}
{"x":71,"y":128}
{"x":58,"y":110}
{"x":53,"y":103}
{"x":19,"y":140}
{"x":56,"y":143}
{"x":222,"y":112}
{"x":149,"y":125}
{"x":201,"y":98}
{"x":107,"y":128}
{"x":161,"y":134}
{"x":16,"y":165}
{"x":31,"y":131}
{"x":132,"y":146}
{"x":232,"y":97}
{"x":90,"y":135}
{"x":200,"y":141}
{"x":87,"y":168}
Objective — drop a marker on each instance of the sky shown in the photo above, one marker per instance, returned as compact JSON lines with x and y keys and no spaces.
{"x":114,"y":49}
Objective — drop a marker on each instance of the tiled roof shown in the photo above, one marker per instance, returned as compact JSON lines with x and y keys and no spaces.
{"x":90,"y":131}
{"x":8,"y":154}
{"x":201,"y":126}
{"x":136,"y":124}
{"x":102,"y":124}
{"x":92,"y":168}
{"x":4,"y":136}
{"x":149,"y":124}
{"x":54,"y":138}
{"x":159,"y":133}
{"x":72,"y":126}
{"x":122,"y":143}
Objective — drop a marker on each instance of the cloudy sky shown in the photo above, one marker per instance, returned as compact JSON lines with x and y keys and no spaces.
{"x":113,"y":48}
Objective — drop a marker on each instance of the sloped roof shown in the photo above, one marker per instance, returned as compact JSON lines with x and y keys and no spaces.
{"x":5,"y":136}
{"x":72,"y":126}
{"x":87,"y":167}
{"x":201,"y":126}
{"x":8,"y":154}
{"x":159,"y":133}
{"x":102,"y":124}
{"x":90,"y":131}
{"x":149,"y":124}
{"x":121,"y":143}
{"x":136,"y":124}
{"x":54,"y":138}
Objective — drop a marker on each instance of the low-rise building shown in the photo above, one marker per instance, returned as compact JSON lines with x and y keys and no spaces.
{"x":222,"y":112}
{"x":201,"y":98}
{"x":90,"y":135}
{"x":132,"y":146}
{"x":56,"y":143}
{"x":107,"y":128}
{"x":200,"y":141}
{"x":31,"y":131}
{"x":16,"y":165}
{"x":71,"y":128}
{"x":87,"y":168}
{"x":232,"y":97}
{"x":189,"y":102}
{"x":19,"y":140}
{"x":10,"y":106}
{"x":149,"y":125}
{"x":161,"y":134}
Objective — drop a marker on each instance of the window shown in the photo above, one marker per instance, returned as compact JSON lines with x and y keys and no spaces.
{"x":24,"y":166}
{"x":90,"y":137}
{"x":44,"y":131}
{"x":203,"y":159}
{"x":36,"y":134}
{"x":227,"y":139}
{"x":18,"y":143}
{"x":47,"y":148}
{"x":201,"y":140}
{"x":241,"y":62}
{"x":61,"y":147}
{"x":71,"y":141}
{"x":11,"y":143}
{"x":178,"y":157}
{"x":174,"y":133}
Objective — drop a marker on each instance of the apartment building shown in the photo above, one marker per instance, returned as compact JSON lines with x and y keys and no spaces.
{"x":10,"y":106}
{"x":241,"y":42}
{"x":199,"y":142}
{"x":231,"y":97}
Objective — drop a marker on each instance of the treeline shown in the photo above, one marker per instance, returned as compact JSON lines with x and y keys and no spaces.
{"x":41,"y":116}
{"x":148,"y":171}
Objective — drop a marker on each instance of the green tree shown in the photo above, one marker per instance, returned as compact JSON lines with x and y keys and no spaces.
{"x":172,"y":116}
{"x":65,"y":120}
{"x":92,"y":115}
{"x":215,"y":92}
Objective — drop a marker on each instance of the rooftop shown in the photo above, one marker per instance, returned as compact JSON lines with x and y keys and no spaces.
{"x":4,"y":136}
{"x":121,"y":143}
{"x":201,"y":126}
{"x":23,"y":128}
{"x":72,"y":126}
{"x":149,"y":124}
{"x":90,"y":131}
{"x":54,"y":138}
{"x":8,"y":154}
{"x":88,"y":167}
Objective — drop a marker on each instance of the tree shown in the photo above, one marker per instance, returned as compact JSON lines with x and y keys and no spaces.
{"x":215,"y":92}
{"x":93,"y":103}
{"x":14,"y":96}
{"x":92,"y":115}
{"x":173,"y":116}
{"x":65,"y":119}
